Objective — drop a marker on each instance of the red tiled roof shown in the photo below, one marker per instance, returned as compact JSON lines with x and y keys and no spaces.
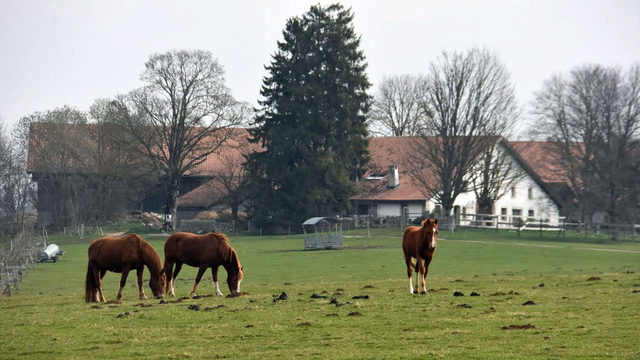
{"x":203,"y":196}
{"x":543,"y":159}
{"x":231,"y":152}
{"x":385,"y":152}
{"x":40,"y":134}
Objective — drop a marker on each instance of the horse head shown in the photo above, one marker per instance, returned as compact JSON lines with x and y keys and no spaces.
{"x":430,"y":229}
{"x":157,"y":283}
{"x":234,"y":278}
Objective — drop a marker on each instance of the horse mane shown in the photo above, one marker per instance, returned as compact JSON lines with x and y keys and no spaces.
{"x":227,"y":253}
{"x":149,"y":254}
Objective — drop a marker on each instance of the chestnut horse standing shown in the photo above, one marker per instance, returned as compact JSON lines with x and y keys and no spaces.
{"x":121,"y":255}
{"x":202,"y":251}
{"x":420,"y":243}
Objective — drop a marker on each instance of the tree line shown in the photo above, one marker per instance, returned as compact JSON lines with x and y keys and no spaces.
{"x":313,"y":121}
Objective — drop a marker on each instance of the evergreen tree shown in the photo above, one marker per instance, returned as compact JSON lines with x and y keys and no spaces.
{"x":312,"y":121}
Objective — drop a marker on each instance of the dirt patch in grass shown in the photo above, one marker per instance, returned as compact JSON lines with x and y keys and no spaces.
{"x":519,"y":327}
{"x":593,"y":278}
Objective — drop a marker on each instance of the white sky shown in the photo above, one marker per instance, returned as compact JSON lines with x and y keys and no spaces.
{"x":54,"y":53}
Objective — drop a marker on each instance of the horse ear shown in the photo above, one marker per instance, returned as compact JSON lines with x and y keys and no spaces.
{"x":435,"y":221}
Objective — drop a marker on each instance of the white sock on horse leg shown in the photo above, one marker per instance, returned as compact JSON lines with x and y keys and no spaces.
{"x":411,"y":285}
{"x":218,"y":292}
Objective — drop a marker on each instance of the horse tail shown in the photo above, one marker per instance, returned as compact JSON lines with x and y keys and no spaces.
{"x":90,"y":287}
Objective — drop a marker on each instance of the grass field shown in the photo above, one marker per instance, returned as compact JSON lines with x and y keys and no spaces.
{"x":583,"y":294}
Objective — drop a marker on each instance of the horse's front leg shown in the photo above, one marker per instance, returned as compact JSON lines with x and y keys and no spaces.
{"x":140,"y":288}
{"x":427,"y":261}
{"x":168,"y":268}
{"x":409,"y":261}
{"x":123,"y":281}
{"x":176,"y":271}
{"x":420,"y":270}
{"x":201,"y":270}
{"x":214,"y":275}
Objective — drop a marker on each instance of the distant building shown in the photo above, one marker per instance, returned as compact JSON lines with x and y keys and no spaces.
{"x":388,"y":189}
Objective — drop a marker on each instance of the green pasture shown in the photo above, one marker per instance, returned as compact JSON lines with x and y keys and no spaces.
{"x":583,"y":294}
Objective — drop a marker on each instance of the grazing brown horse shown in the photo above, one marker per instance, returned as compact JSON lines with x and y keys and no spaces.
{"x":420,"y":243}
{"x":202,"y":251}
{"x":121,"y":255}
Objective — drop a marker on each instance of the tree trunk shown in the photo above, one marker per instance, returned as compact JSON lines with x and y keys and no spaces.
{"x":234,"y":216}
{"x":172,"y":204}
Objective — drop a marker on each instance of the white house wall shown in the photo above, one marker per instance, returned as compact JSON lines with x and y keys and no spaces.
{"x":388,"y":209}
{"x":541,"y":204}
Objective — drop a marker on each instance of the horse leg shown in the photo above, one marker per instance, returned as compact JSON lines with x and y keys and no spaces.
{"x":423,"y":275}
{"x":408,"y":260}
{"x":214,"y":274}
{"x":98,"y":274}
{"x":201,"y":270}
{"x":140,"y":288}
{"x":98,"y":295}
{"x":168,"y":269}
{"x":176,"y":271}
{"x":123,"y":281}
{"x":427,"y":261}
{"x":419,"y":267}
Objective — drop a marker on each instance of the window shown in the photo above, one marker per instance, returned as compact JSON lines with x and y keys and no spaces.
{"x":516,"y":212}
{"x":513,"y":192}
{"x":503,"y":213}
{"x":531,"y":214}
{"x":530,"y":193}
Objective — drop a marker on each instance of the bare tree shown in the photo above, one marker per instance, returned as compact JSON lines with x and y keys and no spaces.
{"x":183,"y":114}
{"x":122,"y":177}
{"x":230,"y":181}
{"x":494,"y":174}
{"x":396,"y":108}
{"x":16,"y":188}
{"x":469,"y":101}
{"x":55,"y":141}
{"x":593,"y":116}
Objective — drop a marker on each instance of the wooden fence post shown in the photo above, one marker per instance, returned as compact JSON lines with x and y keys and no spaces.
{"x":540,"y":228}
{"x":7,"y":289}
{"x":15,"y":280}
{"x":497,"y":223}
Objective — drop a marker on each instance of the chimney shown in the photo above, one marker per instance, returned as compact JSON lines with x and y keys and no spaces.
{"x":394,"y":180}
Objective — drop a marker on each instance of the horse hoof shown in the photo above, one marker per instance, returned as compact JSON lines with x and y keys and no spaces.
{"x":423,"y":293}
{"x":144,"y":298}
{"x":415,"y":291}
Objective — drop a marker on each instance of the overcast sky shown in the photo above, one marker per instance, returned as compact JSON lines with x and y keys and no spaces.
{"x":54,"y":53}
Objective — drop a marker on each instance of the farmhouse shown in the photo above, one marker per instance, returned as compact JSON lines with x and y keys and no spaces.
{"x":389,"y":190}
{"x":62,"y":157}
{"x":386,"y":190}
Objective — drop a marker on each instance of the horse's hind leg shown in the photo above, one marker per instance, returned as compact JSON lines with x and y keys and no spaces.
{"x":98,"y":275}
{"x":409,"y":261}
{"x":201,"y":270}
{"x":140,"y":288}
{"x":214,"y":276}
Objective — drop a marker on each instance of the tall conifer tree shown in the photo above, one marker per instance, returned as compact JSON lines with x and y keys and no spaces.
{"x":312,"y":121}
